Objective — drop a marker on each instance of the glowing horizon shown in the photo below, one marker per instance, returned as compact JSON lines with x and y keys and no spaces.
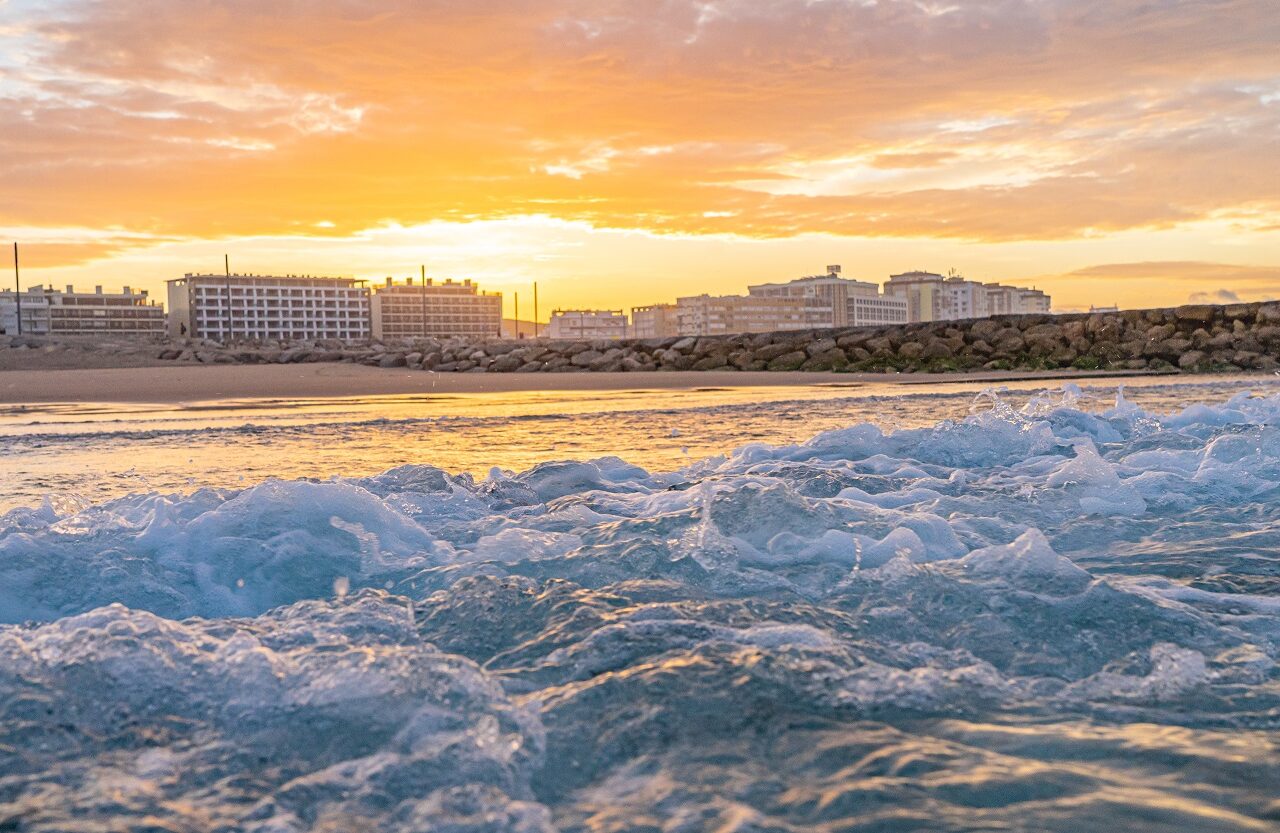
{"x":624,"y":153}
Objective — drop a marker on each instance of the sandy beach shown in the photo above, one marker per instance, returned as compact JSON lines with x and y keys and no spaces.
{"x":195,"y":383}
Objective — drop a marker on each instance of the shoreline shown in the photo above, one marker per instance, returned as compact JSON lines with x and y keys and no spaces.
{"x":200,"y":383}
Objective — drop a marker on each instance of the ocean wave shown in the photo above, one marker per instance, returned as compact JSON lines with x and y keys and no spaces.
{"x":1040,"y":617}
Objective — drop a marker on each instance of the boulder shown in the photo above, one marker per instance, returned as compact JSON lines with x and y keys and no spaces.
{"x":506,"y":363}
{"x":832,"y":359}
{"x":821,"y":346}
{"x":769,"y":352}
{"x":1196,"y":313}
{"x":1268,"y":313}
{"x":789,"y":361}
{"x":717,"y":361}
{"x":911,"y":350}
{"x":1191,"y":359}
{"x":937,"y":350}
{"x":1010,"y":344}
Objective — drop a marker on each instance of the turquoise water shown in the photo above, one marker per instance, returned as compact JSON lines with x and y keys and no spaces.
{"x":802,"y":609}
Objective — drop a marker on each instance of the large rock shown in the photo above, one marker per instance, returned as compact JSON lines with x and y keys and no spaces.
{"x":585,"y":357}
{"x":911,"y":350}
{"x":716,"y":361}
{"x":506,"y":363}
{"x":1010,"y":344}
{"x":820,"y":346}
{"x":1268,"y":313}
{"x":1196,"y":313}
{"x":769,"y":352}
{"x":832,"y":359}
{"x":985,"y":329}
{"x":937,"y":349}
{"x":789,"y":361}
{"x":1191,"y":359}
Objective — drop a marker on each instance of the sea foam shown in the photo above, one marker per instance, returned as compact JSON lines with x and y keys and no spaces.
{"x":1035,"y":618}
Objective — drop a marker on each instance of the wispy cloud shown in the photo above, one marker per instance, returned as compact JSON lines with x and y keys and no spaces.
{"x":997,"y":122}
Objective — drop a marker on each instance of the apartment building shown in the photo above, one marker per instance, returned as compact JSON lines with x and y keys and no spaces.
{"x":831,"y":289}
{"x":1002,"y":300}
{"x":727,"y":314}
{"x":655,"y":321}
{"x":224,"y":307}
{"x":439,"y":310}
{"x":49,"y":311}
{"x":921,"y":290}
{"x":875,"y":310}
{"x":1033,"y":300}
{"x":587,"y":324}
{"x":932,"y":297}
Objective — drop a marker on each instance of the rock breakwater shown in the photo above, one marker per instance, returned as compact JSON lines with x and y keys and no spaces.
{"x":1194,"y":338}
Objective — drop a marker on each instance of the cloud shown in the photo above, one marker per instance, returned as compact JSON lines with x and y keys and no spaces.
{"x":994,"y":121}
{"x":1217,"y":296}
{"x":1146,"y":284}
{"x":1192,"y":271}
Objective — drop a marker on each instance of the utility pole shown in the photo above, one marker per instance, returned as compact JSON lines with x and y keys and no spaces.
{"x":517,"y":315}
{"x":226,"y":263}
{"x":422,"y":270}
{"x":17,"y":287}
{"x":535,"y":309}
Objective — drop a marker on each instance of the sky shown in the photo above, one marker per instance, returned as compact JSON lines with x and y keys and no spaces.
{"x":626,"y":152}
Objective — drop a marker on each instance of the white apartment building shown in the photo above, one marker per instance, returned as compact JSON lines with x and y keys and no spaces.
{"x":833,"y":290}
{"x":587,"y":324}
{"x":49,"y":311}
{"x":728,"y":314}
{"x":223,"y":307}
{"x":813,"y":302}
{"x":931,"y":297}
{"x":875,"y":310}
{"x":440,"y":310}
{"x":655,"y":321}
{"x":1033,"y":300}
{"x":1002,"y":300}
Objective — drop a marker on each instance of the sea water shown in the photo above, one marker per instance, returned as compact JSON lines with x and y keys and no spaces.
{"x":850,"y":610}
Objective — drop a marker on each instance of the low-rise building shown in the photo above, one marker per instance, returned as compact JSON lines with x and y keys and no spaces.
{"x":655,"y":321}
{"x":812,"y":302}
{"x":587,"y":324}
{"x":49,"y":311}
{"x":260,"y":307}
{"x":728,"y":314}
{"x":875,"y":310}
{"x":440,"y":310}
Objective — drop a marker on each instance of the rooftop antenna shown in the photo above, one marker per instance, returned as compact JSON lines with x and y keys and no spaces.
{"x":17,"y":286}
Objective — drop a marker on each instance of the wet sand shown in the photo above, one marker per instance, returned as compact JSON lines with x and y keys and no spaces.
{"x":175,"y":384}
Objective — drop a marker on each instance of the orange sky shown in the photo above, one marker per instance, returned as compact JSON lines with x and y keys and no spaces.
{"x":623,"y":152}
